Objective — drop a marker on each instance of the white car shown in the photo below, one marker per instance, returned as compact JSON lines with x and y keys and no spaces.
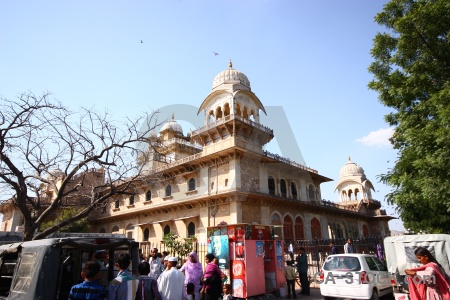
{"x":355,"y":276}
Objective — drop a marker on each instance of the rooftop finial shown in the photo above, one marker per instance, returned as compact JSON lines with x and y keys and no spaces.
{"x":349,"y":158}
{"x":173,"y":116}
{"x":230,"y":64}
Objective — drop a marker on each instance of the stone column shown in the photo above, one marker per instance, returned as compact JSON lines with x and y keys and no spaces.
{"x":234,"y":172}
{"x":235,"y":212}
{"x":181,"y":228}
{"x":203,"y":224}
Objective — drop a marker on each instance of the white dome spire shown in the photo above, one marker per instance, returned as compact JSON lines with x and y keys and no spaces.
{"x":171,"y":125}
{"x":232,"y":77}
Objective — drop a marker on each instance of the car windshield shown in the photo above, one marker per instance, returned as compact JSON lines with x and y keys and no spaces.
{"x":342,"y":263}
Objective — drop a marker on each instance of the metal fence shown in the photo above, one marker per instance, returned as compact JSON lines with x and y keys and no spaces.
{"x":316,"y":250}
{"x":200,"y":249}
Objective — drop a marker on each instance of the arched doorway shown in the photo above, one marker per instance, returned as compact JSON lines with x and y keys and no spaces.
{"x":365,"y":231}
{"x":299,"y":230}
{"x":276,"y":220}
{"x":316,"y":231}
{"x":288,"y":228}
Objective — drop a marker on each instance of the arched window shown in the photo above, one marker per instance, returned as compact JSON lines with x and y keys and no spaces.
{"x":166,"y":229}
{"x":238,"y":109}
{"x":146,"y":234}
{"x":226,"y":182}
{"x":129,"y":230}
{"x":226,"y":109}
{"x":218,"y":113}
{"x":245,"y":113}
{"x":299,"y":231}
{"x":316,"y":231}
{"x":293,"y":190}
{"x":344,"y":196}
{"x":276,"y":220}
{"x":168,"y":190}
{"x":148,"y":195}
{"x":115,"y":229}
{"x":350,"y":193}
{"x":283,"y":188}
{"x":288,"y":229}
{"x":210,"y":117}
{"x":271,"y":183}
{"x":117,"y":204}
{"x":356,"y":194}
{"x":311,"y":192}
{"x":191,"y":184}
{"x":365,"y":231}
{"x":191,"y":229}
{"x":252,"y":116}
{"x":131,"y":199}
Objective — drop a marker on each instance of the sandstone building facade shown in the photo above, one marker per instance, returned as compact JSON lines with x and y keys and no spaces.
{"x":220,"y":173}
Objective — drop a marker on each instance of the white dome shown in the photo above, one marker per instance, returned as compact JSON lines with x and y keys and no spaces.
{"x":231,"y":76}
{"x":172,"y":125}
{"x":351,"y":169}
{"x":55,"y":173}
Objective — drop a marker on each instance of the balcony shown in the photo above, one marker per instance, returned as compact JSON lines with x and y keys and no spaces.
{"x":230,"y":118}
{"x":288,"y":161}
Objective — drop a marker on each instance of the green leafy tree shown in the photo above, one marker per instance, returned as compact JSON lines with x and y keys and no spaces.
{"x":179,"y":247}
{"x":411,"y":74}
{"x":77,"y":226}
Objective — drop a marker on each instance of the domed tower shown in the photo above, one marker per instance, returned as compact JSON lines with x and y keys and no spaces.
{"x":168,"y":147}
{"x":232,"y":110}
{"x":353,"y":186}
{"x":171,"y":130}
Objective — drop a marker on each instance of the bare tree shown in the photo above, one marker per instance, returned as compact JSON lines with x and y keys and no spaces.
{"x":51,"y":158}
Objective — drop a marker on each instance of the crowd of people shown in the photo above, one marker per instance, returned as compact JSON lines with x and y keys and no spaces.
{"x":159,"y":279}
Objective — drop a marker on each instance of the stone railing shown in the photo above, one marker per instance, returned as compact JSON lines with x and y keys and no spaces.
{"x":288,"y":161}
{"x":182,"y":142}
{"x":176,"y":163}
{"x":338,"y":206}
{"x":228,"y":118}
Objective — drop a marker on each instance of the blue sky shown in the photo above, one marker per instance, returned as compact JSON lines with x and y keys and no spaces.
{"x":309,"y":57}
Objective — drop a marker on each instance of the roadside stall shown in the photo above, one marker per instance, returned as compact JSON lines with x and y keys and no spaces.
{"x":249,"y":255}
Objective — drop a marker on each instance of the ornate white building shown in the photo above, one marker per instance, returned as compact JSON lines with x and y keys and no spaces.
{"x":220,"y":172}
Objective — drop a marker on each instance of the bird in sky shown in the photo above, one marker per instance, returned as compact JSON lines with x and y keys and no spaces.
{"x":215,"y":53}
{"x":142,"y":42}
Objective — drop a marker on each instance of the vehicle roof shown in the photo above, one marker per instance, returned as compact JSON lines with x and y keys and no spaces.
{"x":417,"y":237}
{"x":350,"y":254}
{"x":400,"y":249}
{"x":97,"y":240}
